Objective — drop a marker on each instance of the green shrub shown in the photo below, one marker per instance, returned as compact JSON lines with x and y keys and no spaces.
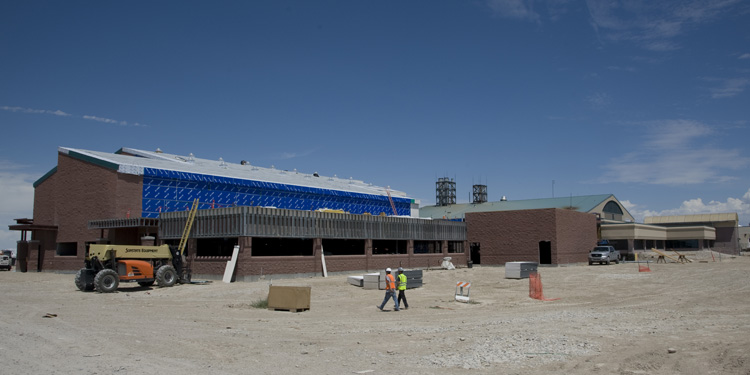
{"x":260,"y":304}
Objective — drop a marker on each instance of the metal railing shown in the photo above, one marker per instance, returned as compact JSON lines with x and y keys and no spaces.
{"x":273,"y":222}
{"x":133,"y":222}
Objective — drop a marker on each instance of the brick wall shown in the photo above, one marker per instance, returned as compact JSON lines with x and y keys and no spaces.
{"x":251,"y":266}
{"x":576,"y":236}
{"x":511,"y":236}
{"x":727,"y":240}
{"x":77,"y":193}
{"x":81,"y":191}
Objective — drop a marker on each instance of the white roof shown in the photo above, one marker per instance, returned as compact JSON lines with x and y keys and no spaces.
{"x":129,"y":164}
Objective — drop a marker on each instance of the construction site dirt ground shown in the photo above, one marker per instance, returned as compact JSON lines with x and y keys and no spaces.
{"x":677,"y":319}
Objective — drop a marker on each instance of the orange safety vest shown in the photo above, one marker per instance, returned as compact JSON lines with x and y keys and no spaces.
{"x":390,"y":282}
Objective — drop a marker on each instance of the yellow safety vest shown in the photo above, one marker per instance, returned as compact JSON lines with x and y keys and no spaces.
{"x":401,"y":281}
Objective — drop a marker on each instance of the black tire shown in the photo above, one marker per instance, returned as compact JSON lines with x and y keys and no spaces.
{"x":85,"y":279}
{"x":106,"y":281}
{"x":591,"y":263}
{"x":166,"y":276}
{"x":146,"y":283}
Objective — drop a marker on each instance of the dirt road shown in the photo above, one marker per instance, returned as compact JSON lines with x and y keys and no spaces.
{"x":607,"y":320}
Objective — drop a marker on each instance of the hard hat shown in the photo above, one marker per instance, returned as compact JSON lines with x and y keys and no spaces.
{"x":387,"y":270}
{"x":400,"y":269}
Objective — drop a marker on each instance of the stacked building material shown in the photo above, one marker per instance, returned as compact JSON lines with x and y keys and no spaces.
{"x":413,"y":278}
{"x":371,"y":281}
{"x":519,"y":270}
{"x":356,"y":280}
{"x":377,"y":280}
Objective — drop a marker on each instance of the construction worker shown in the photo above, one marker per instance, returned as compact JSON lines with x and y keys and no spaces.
{"x":401,"y":286}
{"x":390,"y":290}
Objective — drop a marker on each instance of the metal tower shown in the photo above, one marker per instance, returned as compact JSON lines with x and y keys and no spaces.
{"x":445,"y":191}
{"x":480,"y":194}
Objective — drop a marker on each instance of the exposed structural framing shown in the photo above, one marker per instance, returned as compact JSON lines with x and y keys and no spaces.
{"x":479,"y":194}
{"x":282,"y":223}
{"x":445,"y":191}
{"x":133,"y":222}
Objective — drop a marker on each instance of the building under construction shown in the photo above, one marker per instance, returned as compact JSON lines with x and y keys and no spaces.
{"x":288,"y":222}
{"x":283,"y":221}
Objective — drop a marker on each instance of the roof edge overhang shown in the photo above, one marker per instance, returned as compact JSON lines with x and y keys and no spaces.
{"x":45,"y":177}
{"x":133,"y":222}
{"x":636,"y":231}
{"x":90,"y":159}
{"x":32,"y":227}
{"x":696,"y":218}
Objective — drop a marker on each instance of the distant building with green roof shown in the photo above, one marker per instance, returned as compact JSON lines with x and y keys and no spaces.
{"x":606,"y":206}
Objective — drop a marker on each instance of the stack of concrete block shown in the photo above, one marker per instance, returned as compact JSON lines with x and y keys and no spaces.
{"x":519,"y":270}
{"x":371,"y":281}
{"x":413,"y":278}
{"x":356,"y":280}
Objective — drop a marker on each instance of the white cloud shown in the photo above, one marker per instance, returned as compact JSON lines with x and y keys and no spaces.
{"x":599,"y":100}
{"x":520,"y":9}
{"x":697,"y":206}
{"x":104,"y":120}
{"x":31,"y":110}
{"x":61,"y":113}
{"x":291,"y":155}
{"x":638,"y":212}
{"x":728,"y":87}
{"x":744,"y":56}
{"x":16,"y":200}
{"x":661,"y":46}
{"x":652,"y":24}
{"x":622,"y":68}
{"x":673,"y":153}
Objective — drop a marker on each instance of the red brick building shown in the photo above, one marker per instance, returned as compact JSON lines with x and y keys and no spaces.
{"x":135,"y":196}
{"x":546,"y":236}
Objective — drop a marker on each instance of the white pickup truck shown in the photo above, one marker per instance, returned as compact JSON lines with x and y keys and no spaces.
{"x":4,"y":262}
{"x":604,"y":255}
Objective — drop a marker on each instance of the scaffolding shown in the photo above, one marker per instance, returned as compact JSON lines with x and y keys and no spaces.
{"x":479,"y":194}
{"x":445,"y":191}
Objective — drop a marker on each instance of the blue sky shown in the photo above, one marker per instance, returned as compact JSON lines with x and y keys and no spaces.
{"x":646,"y":100}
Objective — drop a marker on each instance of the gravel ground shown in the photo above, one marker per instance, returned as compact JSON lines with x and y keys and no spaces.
{"x":607,"y":320}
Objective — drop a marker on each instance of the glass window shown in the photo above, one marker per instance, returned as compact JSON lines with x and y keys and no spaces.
{"x":389,"y":247}
{"x":67,"y":249}
{"x":455,"y":246}
{"x":428,"y":247}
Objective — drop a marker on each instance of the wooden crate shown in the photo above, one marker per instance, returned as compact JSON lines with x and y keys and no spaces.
{"x":289,"y":298}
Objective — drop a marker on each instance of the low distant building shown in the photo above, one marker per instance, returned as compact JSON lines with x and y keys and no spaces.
{"x":547,"y":231}
{"x":725,"y":239}
{"x":546,"y":236}
{"x":613,"y":225}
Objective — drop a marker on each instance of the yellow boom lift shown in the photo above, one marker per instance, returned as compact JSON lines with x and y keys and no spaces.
{"x":108,"y":265}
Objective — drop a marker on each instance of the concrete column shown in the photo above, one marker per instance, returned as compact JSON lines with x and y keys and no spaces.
{"x":368,"y":253}
{"x":148,"y":240}
{"x":22,"y":256}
